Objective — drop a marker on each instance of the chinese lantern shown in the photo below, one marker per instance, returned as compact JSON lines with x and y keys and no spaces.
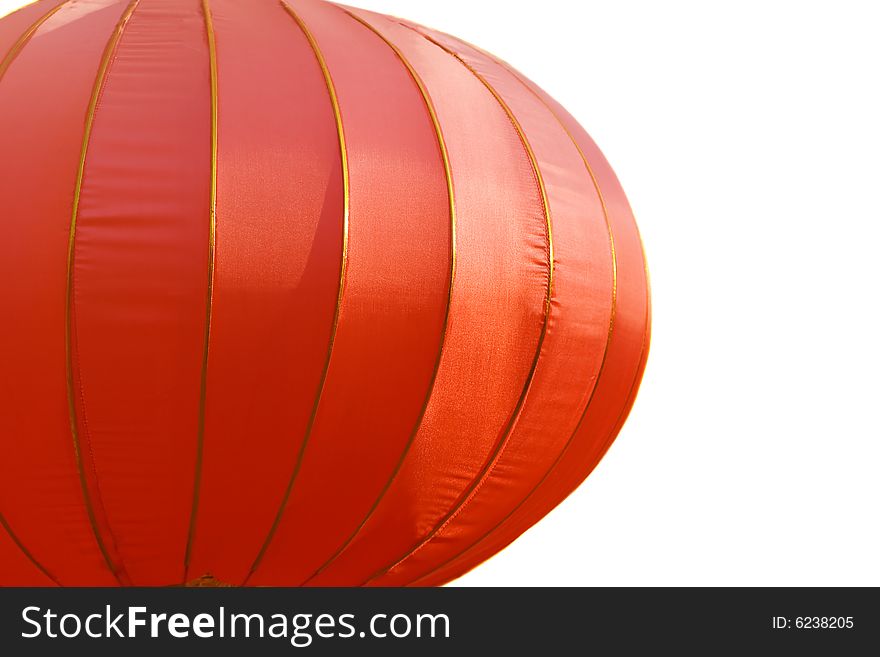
{"x":294,"y":294}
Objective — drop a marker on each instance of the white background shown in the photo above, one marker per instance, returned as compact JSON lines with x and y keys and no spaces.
{"x":747,"y":136}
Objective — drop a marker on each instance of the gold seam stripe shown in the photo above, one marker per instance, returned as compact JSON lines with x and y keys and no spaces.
{"x":209,"y":297}
{"x":487,"y":466}
{"x":15,"y":51}
{"x":343,"y":152}
{"x":25,"y":551}
{"x":22,"y":41}
{"x":71,"y":404}
{"x":607,"y":343}
{"x":429,"y":104}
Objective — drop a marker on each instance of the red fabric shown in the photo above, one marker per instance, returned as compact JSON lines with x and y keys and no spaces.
{"x":279,"y":250}
{"x":358,"y":379}
{"x":44,"y":95}
{"x":16,"y":569}
{"x":17,"y":29}
{"x":576,"y":340}
{"x":140,"y":280}
{"x":501,"y":271}
{"x":392,"y":308}
{"x":17,"y":566}
{"x":615,"y":391}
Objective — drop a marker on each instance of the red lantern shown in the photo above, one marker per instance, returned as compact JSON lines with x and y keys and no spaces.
{"x":294,"y":294}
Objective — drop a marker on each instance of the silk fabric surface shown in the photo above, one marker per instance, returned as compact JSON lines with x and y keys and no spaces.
{"x":296,"y":294}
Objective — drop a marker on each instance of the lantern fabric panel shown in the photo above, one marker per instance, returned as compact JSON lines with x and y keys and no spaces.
{"x":308,"y":296}
{"x":43,"y":477}
{"x":281,"y":224}
{"x":140,"y":283}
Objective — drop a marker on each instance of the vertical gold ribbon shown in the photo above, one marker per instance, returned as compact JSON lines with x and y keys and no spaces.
{"x":209,"y":297}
